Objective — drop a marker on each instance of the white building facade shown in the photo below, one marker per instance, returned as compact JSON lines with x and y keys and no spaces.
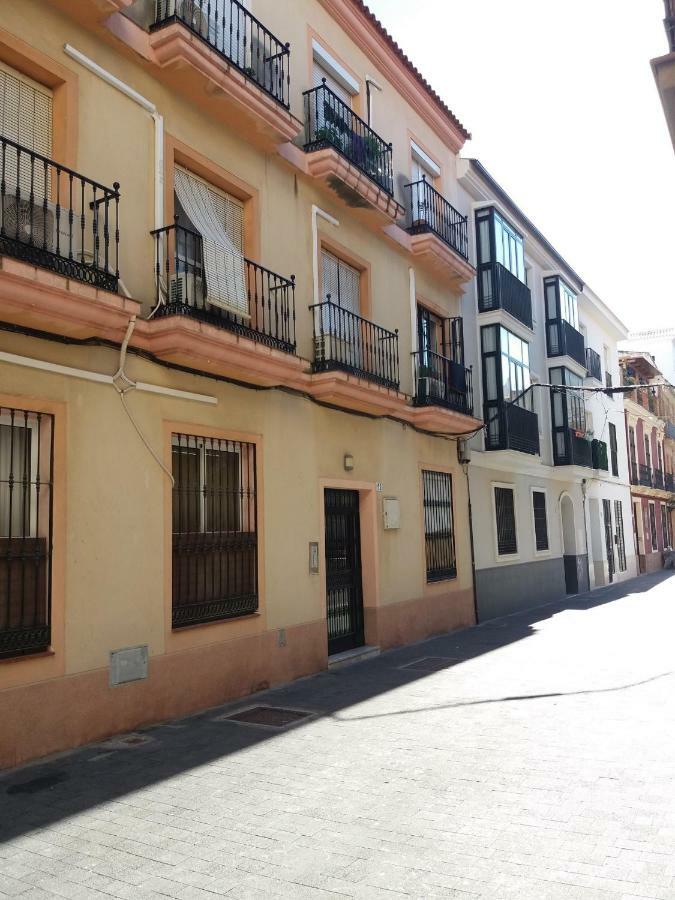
{"x":549,"y":480}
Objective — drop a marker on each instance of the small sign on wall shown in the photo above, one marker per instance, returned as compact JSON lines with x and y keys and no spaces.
{"x":391,"y":512}
{"x":313,"y":558}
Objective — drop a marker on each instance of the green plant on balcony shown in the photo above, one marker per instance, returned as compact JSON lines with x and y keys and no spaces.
{"x":329,"y":134}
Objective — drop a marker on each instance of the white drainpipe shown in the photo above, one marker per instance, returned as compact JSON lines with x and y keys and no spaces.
{"x":149,"y":107}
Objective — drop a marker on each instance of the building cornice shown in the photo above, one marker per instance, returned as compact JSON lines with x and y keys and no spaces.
{"x":356,"y":20}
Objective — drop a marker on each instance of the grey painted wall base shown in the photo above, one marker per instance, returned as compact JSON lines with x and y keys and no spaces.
{"x":507,"y":589}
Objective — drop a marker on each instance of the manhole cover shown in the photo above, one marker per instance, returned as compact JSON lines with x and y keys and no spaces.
{"x":267,"y":716}
{"x":431,"y":663}
{"x":127,"y":742}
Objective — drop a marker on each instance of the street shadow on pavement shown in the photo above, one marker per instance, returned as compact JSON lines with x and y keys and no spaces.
{"x":39,"y":795}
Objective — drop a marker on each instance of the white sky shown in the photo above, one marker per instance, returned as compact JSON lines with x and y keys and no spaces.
{"x":563,"y":108}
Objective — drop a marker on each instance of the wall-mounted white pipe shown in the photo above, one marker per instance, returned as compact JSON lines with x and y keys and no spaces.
{"x":149,"y":107}
{"x":413,"y":317}
{"x":317,"y":211}
{"x":57,"y":369}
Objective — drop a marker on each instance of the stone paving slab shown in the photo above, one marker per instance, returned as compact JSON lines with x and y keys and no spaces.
{"x":537,"y":763}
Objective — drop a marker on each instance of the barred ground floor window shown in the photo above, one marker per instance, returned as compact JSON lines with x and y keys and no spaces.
{"x":26,"y":467}
{"x":214,"y":529}
{"x":439,"y":536}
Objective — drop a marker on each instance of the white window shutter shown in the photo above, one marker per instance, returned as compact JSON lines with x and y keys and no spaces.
{"x":26,"y":119}
{"x":319,"y":73}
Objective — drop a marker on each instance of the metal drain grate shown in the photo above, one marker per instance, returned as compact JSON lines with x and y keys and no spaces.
{"x":431,"y":663}
{"x":126,"y":741}
{"x":267,"y":716}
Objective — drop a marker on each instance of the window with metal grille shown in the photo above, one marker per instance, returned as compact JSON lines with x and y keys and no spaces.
{"x":439,"y":538}
{"x":505,"y":512}
{"x":26,"y":462}
{"x":540,"y":522}
{"x":620,"y":539}
{"x":652,"y":526}
{"x":215,"y":537}
{"x":613,"y":449}
{"x":664,"y":526}
{"x":26,"y":119}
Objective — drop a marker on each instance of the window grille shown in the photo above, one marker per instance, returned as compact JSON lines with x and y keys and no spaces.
{"x":652,"y":526}
{"x":439,"y":538}
{"x":540,"y":523}
{"x":620,"y":539}
{"x":507,"y":542}
{"x":26,"y":463}
{"x":215,"y":539}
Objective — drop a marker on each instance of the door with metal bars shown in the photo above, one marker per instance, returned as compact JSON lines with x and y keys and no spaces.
{"x":344,"y":589}
{"x":609,"y":539}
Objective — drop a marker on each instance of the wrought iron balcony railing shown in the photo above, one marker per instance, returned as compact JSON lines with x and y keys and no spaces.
{"x":346,"y":341}
{"x":181,"y":290}
{"x":440,"y":381}
{"x":657,"y":479}
{"x":55,"y":218}
{"x":230,"y":29}
{"x":329,"y":122}
{"x":599,"y":455}
{"x":669,"y":482}
{"x":512,"y":427}
{"x":572,"y":449}
{"x":645,"y":475}
{"x":500,"y":289}
{"x":593,"y":367}
{"x":634,"y":478}
{"x":430,"y":211}
{"x":562,"y":339}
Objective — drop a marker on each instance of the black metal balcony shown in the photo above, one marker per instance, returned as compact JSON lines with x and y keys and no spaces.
{"x":669,"y":482}
{"x":657,"y":479}
{"x":57,"y":219}
{"x":599,"y":455}
{"x":181,"y":290}
{"x":500,"y":289}
{"x":230,"y":29}
{"x":430,"y":211}
{"x":512,"y":427}
{"x":440,"y":381}
{"x":575,"y":450}
{"x":346,"y":341}
{"x":634,"y":478}
{"x":593,"y":367}
{"x":329,"y":122}
{"x":562,"y":339}
{"x":645,"y":475}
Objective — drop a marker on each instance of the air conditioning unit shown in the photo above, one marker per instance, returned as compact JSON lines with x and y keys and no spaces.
{"x":37,"y":225}
{"x":185,"y":288}
{"x":331,"y":348}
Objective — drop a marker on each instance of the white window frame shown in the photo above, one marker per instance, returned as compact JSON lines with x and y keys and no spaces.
{"x":425,"y":161}
{"x":504,"y":558}
{"x":33,"y":426}
{"x":534,"y":488}
{"x":323,"y":58}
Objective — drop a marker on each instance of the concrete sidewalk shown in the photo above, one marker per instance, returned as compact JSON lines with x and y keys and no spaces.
{"x":531,"y":757}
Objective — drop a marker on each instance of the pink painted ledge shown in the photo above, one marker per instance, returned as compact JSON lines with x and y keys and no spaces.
{"x":175,"y":49}
{"x":435,"y":254}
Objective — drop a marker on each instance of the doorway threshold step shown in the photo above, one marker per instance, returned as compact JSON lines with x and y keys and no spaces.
{"x":348,"y":657}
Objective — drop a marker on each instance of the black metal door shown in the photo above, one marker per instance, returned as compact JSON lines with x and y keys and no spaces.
{"x":344,"y":595}
{"x":609,"y":538}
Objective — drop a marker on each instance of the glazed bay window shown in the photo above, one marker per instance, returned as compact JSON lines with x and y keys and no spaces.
{"x":26,"y":460}
{"x":439,"y":537}
{"x":563,"y":337}
{"x":568,"y":414}
{"x":501,"y":267}
{"x":214,"y":529}
{"x":511,"y":422}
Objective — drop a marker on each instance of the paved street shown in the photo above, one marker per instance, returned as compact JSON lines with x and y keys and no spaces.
{"x":532,"y":757}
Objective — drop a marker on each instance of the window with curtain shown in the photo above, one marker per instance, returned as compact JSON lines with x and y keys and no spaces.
{"x":218,"y":218}
{"x":26,"y":119}
{"x":505,"y":515}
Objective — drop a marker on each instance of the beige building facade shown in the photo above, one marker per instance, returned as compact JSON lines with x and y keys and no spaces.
{"x":232,"y":384}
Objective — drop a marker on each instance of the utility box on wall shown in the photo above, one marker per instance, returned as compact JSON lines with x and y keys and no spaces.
{"x":391,"y":512}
